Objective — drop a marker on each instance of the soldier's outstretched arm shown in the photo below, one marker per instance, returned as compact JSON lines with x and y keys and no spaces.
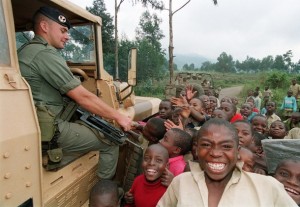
{"x":93,"y":104}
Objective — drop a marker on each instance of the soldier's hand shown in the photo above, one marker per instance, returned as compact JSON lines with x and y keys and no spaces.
{"x":124,"y":122}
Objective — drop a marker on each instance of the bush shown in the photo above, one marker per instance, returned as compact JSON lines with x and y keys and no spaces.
{"x":277,"y":80}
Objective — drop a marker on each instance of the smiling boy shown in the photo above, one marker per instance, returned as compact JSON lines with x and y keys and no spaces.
{"x":220,"y":176}
{"x":147,"y":188}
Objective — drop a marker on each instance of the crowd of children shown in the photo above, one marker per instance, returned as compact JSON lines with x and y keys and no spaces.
{"x":196,"y":131}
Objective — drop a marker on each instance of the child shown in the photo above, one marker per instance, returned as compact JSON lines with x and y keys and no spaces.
{"x":257,"y":149}
{"x":213,"y":102}
{"x":263,"y":111}
{"x":165,"y":109}
{"x":248,"y":158}
{"x":244,"y":132}
{"x":219,"y":114}
{"x":104,"y":194}
{"x":147,"y":188}
{"x":257,"y":100}
{"x":198,"y":115}
{"x":270,"y":113}
{"x":259,"y":124}
{"x":288,"y":173}
{"x":293,"y":122}
{"x":178,"y":143}
{"x":251,"y":101}
{"x":289,"y":105}
{"x":230,"y":110}
{"x":267,"y":93}
{"x":235,"y":102}
{"x":246,"y":111}
{"x":154,"y":130}
{"x":277,"y":130}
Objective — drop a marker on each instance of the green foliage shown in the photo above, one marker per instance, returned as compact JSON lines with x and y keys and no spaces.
{"x":277,"y":79}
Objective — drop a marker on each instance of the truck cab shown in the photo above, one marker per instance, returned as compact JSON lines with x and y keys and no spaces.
{"x":24,"y":181}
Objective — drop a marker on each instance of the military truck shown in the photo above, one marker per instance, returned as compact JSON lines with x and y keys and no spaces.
{"x":24,"y":182}
{"x":202,"y":82}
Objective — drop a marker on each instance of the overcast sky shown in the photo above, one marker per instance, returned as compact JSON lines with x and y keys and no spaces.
{"x":241,"y":28}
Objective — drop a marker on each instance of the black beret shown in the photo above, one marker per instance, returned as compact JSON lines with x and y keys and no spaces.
{"x":55,"y":15}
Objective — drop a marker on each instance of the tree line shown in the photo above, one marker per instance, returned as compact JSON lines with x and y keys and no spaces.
{"x":226,"y":64}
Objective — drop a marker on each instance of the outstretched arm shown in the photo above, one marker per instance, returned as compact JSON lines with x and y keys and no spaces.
{"x":95,"y":105}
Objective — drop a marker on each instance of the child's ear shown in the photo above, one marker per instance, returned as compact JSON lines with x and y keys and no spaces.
{"x":177,"y":151}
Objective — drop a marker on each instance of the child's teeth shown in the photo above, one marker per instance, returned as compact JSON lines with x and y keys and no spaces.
{"x":216,"y":166}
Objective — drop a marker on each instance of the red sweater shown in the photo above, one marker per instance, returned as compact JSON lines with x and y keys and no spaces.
{"x":146,"y":194}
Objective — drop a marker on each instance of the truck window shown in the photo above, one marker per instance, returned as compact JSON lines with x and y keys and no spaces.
{"x":4,"y":47}
{"x":81,"y":46}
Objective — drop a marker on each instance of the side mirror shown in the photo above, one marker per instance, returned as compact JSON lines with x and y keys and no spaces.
{"x":132,"y":66}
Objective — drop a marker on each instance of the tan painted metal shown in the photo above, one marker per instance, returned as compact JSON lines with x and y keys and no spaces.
{"x":22,"y":174}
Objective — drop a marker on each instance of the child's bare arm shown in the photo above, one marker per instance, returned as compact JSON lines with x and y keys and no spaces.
{"x":197,"y":115}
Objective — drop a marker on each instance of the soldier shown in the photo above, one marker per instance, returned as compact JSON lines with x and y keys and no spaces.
{"x":50,"y":79}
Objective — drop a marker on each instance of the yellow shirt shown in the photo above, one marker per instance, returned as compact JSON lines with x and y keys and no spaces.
{"x":294,"y":133}
{"x":243,"y":189}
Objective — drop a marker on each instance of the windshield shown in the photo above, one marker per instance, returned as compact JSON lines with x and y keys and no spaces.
{"x":79,"y":49}
{"x":4,"y":49}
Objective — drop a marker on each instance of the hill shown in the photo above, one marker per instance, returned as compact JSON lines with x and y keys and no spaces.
{"x":181,"y":59}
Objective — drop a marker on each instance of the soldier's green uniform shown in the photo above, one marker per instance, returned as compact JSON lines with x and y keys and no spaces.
{"x":50,"y":78}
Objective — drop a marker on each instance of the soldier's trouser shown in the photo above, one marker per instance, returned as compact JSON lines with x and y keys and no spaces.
{"x":78,"y":138}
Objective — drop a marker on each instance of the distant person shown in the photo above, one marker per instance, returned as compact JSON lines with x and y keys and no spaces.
{"x":257,"y":89}
{"x":289,"y":105}
{"x":257,"y":100}
{"x":105,"y":193}
{"x":295,"y":88}
{"x":218,"y":180}
{"x":148,"y":188}
{"x":270,"y":113}
{"x":230,"y":110}
{"x":267,"y":93}
{"x":247,"y":111}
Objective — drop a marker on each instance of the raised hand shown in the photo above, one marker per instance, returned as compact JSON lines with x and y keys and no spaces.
{"x":166,"y":177}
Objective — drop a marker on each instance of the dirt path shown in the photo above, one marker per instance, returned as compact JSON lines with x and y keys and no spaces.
{"x":232,"y":91}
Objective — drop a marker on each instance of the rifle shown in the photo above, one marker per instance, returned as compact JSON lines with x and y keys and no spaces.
{"x":113,"y":134}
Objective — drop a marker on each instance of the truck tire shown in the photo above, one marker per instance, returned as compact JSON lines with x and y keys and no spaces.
{"x":196,"y":87}
{"x":133,"y":166}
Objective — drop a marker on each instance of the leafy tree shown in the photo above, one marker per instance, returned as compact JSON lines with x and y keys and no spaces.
{"x":207,"y":66}
{"x":149,"y":29}
{"x":279,"y":63}
{"x":287,"y":58}
{"x":99,"y":9}
{"x":266,"y":63}
{"x":154,"y":3}
{"x":225,"y":63}
{"x":148,"y":35}
{"x":251,"y":64}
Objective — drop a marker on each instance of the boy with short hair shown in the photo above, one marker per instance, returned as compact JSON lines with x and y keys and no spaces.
{"x":277,"y":130}
{"x":154,"y":130}
{"x":147,"y":188}
{"x":245,"y":132}
{"x":247,"y":111}
{"x":270,"y":113}
{"x":165,"y":109}
{"x":288,"y":173}
{"x":259,"y":124}
{"x":289,"y":105}
{"x":217,"y":180}
{"x":104,"y":194}
{"x":178,"y":143}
